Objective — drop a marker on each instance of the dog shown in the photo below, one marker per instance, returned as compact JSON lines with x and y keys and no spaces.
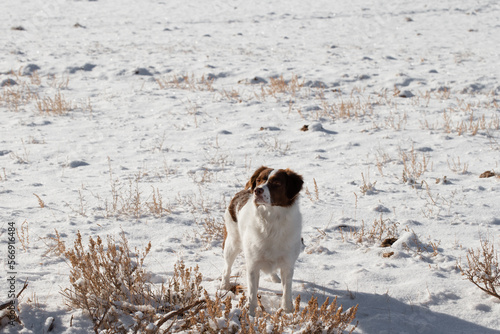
{"x":264,"y":221}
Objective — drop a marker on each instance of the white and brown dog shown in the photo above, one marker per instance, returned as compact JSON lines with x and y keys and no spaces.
{"x":264,"y":221}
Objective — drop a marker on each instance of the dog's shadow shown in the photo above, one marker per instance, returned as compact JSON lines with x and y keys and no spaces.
{"x":380,"y":313}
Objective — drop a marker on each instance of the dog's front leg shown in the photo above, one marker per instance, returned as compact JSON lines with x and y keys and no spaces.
{"x":286,"y":280}
{"x":253,"y":276}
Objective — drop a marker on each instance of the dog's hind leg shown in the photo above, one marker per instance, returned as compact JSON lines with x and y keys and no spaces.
{"x":231,"y":250}
{"x":275,"y":278}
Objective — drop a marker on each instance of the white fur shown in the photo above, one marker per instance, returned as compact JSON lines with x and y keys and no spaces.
{"x":270,"y":238}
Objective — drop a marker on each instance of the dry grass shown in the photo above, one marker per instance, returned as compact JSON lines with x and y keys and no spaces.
{"x":367,"y":188}
{"x":382,"y":160}
{"x":34,"y":90}
{"x":220,"y":316}
{"x":22,"y":157}
{"x":313,"y":197}
{"x":187,"y":82}
{"x":418,"y":247}
{"x":23,"y":235}
{"x":232,"y":95}
{"x":13,"y":97}
{"x":278,"y":86}
{"x":55,"y":245}
{"x":212,"y":230}
{"x":57,"y":105}
{"x":483,"y":268}
{"x":354,"y":106}
{"x":384,"y":233}
{"x":41,"y":203}
{"x":380,"y":229}
{"x":21,"y":92}
{"x":110,"y":284}
{"x":467,"y":116}
{"x":457,"y":166}
{"x":275,"y":145}
{"x":414,"y":166}
{"x":127,"y":198}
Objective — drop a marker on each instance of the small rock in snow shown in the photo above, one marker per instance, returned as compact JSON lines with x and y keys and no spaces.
{"x":142,"y":71}
{"x":381,"y":208}
{"x":8,"y":82}
{"x":258,"y":80}
{"x":77,"y":163}
{"x":30,"y":69}
{"x":406,"y":94}
{"x":86,"y":68}
{"x":315,"y":84}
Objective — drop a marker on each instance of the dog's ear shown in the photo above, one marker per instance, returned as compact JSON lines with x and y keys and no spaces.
{"x":294,"y":183}
{"x":252,"y":183}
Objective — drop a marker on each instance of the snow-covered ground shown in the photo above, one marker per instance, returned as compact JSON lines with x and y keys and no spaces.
{"x":402,"y":104}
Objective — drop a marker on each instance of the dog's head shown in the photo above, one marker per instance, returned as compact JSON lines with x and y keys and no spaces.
{"x":278,"y":187}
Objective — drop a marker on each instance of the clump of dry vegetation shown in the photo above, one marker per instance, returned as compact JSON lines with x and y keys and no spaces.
{"x":353,"y":106}
{"x":219,"y":316}
{"x":111,"y":285}
{"x":109,"y":282}
{"x":381,"y":229}
{"x":367,"y":188}
{"x":414,"y":166}
{"x":44,"y":94}
{"x":466,"y":115}
{"x":58,"y":105}
{"x":186,"y":81}
{"x":279,"y":86}
{"x":483,"y":268}
{"x":313,"y":197}
{"x":211,"y":230}
{"x":126,"y":198}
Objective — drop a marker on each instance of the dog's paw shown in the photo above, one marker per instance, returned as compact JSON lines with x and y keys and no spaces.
{"x":275,"y":278}
{"x":287,"y":307}
{"x":251,"y":309}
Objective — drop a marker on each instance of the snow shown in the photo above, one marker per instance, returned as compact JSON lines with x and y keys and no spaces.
{"x":382,"y":80}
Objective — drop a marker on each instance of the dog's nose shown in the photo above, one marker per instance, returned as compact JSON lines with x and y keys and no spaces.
{"x":259,"y":191}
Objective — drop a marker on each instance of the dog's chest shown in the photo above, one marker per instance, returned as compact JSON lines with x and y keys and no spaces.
{"x":273,"y":233}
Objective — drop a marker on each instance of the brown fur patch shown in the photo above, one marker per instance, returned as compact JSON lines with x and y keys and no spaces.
{"x":258,"y":177}
{"x":284,"y":187}
{"x":239,"y":200}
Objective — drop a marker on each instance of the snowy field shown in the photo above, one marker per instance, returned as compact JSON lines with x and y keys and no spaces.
{"x":183,"y":100}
